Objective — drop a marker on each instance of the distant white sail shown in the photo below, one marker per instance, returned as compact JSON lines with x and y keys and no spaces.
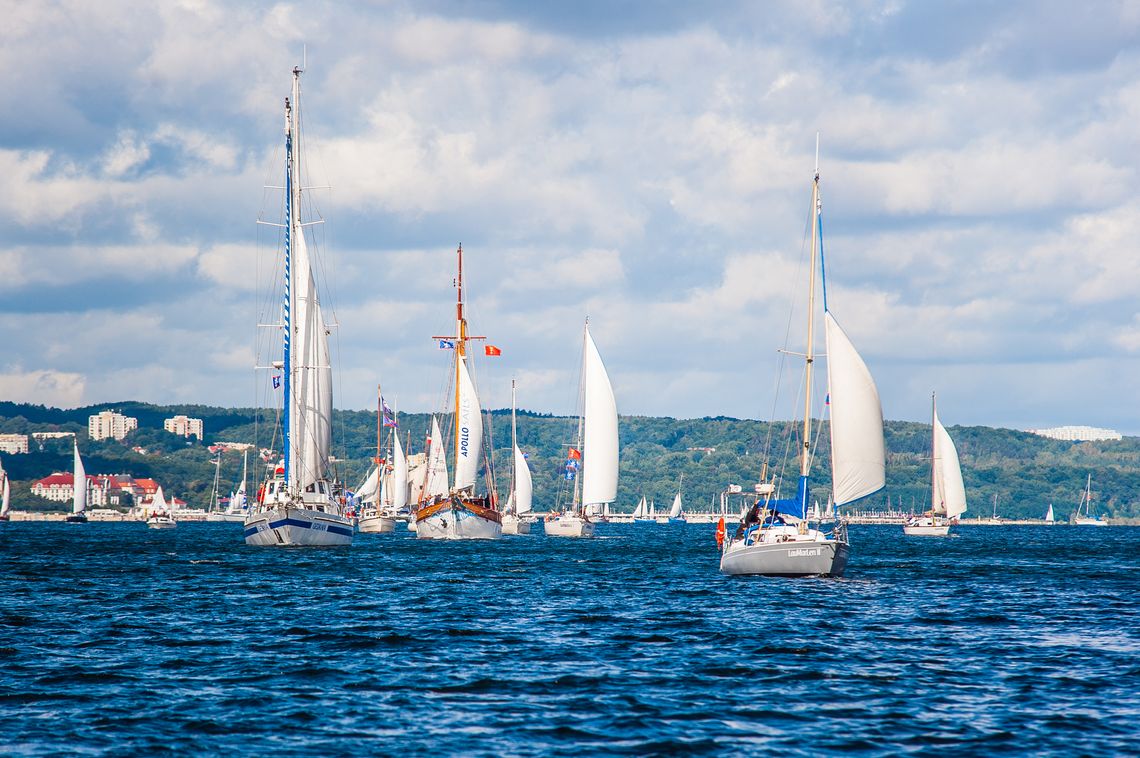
{"x":437,"y":464}
{"x":675,"y":510}
{"x":600,"y":435}
{"x":79,"y":485}
{"x":469,"y":434}
{"x":310,"y":401}
{"x":857,"y":452}
{"x":642,"y":509}
{"x":1049,"y":518}
{"x":399,"y":493}
{"x":158,"y":503}
{"x":523,"y":488}
{"x":5,"y":496}
{"x":949,"y":493}
{"x":367,"y":491}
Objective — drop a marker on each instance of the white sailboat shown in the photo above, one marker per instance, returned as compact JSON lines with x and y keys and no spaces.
{"x":516,"y":515}
{"x":161,"y":514}
{"x":1050,"y":518}
{"x":5,"y":496}
{"x":775,"y":537}
{"x":641,"y":514}
{"x":597,"y":450}
{"x":386,"y":488}
{"x":299,"y":505}
{"x":1083,"y":515}
{"x":947,"y":492}
{"x":676,"y":511}
{"x":460,"y":513}
{"x":78,"y":513}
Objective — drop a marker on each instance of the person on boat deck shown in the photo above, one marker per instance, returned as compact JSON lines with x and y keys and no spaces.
{"x":750,"y":519}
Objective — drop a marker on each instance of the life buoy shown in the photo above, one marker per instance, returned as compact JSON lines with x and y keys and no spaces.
{"x":720,"y":534}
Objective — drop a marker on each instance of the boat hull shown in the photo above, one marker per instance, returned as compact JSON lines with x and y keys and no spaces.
{"x":232,"y":518}
{"x":162,"y":523}
{"x":458,"y":519}
{"x":926,"y":527}
{"x":569,"y":526}
{"x":818,"y":557}
{"x":515,"y":525}
{"x":297,"y":527}
{"x":77,"y":518}
{"x":376,"y":525}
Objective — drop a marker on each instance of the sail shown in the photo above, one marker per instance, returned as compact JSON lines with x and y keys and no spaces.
{"x":675,"y":509}
{"x":1049,"y":514}
{"x":600,"y":436}
{"x":310,"y":401}
{"x":641,"y":510}
{"x":367,"y":491}
{"x":858,"y":462}
{"x":5,"y":497}
{"x":523,"y":489}
{"x":469,"y":431}
{"x":79,"y":485}
{"x":949,"y":498}
{"x":158,"y":503}
{"x":437,"y":464}
{"x":399,"y":491}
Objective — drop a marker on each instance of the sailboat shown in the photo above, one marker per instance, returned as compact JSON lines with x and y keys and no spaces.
{"x":78,"y":513}
{"x":775,"y":538}
{"x":298,"y":504}
{"x":460,"y":513}
{"x":386,"y":489}
{"x":1082,"y":516}
{"x":516,"y":515}
{"x":641,"y":513}
{"x":676,"y":511}
{"x":161,"y":514}
{"x":5,"y":496}
{"x":947,"y":492}
{"x":1049,"y":517}
{"x":994,"y":520}
{"x":593,"y":464}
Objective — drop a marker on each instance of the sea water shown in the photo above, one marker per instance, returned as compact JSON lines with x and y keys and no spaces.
{"x":115,"y":638}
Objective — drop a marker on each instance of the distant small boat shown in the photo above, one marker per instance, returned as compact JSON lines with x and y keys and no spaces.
{"x":947,"y":492}
{"x":5,"y":496}
{"x":676,"y":511}
{"x":161,"y":516}
{"x":593,"y":464}
{"x":237,"y":507}
{"x":994,"y":519}
{"x":385,"y":491}
{"x":516,"y":515}
{"x":1049,"y":517}
{"x":641,"y":514}
{"x":1083,"y":515}
{"x":78,"y":513}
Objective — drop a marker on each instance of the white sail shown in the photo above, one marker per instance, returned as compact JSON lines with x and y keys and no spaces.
{"x":238,"y":498}
{"x":367,"y":491}
{"x":600,"y":435}
{"x":642,"y":509}
{"x":675,"y":509}
{"x":1049,"y":517}
{"x":158,"y":503}
{"x":399,"y":487}
{"x":79,"y":485}
{"x":310,"y":401}
{"x":437,"y":464}
{"x":523,"y":489}
{"x":5,"y":497}
{"x":949,"y":493}
{"x":858,"y":461}
{"x":469,"y":431}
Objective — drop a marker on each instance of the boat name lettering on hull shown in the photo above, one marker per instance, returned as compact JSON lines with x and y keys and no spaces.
{"x":805,"y":552}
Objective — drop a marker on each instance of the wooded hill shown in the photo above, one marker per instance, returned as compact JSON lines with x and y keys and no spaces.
{"x":1025,"y":471}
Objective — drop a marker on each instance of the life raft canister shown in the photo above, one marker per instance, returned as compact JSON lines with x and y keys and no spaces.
{"x":720,"y":534}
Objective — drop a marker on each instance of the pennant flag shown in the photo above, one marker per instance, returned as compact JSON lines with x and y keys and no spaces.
{"x":574,"y":454}
{"x":384,"y":405}
{"x":276,"y":382}
{"x":827,"y":400}
{"x":388,"y":421}
{"x":446,"y":345}
{"x":492,"y":350}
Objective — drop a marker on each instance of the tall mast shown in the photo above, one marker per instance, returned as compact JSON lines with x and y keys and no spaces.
{"x":379,"y":434}
{"x":809,"y":354}
{"x":514,"y":440}
{"x":933,"y":453}
{"x":581,"y":419}
{"x":460,"y":346}
{"x":292,"y":230}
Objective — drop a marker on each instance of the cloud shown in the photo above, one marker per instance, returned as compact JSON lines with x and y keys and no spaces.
{"x":47,"y":387}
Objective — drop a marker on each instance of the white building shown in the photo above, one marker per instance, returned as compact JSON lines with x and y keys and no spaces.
{"x":1078,"y":433}
{"x":184,"y":426}
{"x":110,"y":424}
{"x":13,"y":443}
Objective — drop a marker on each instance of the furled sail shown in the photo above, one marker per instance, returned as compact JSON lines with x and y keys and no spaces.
{"x":600,"y":436}
{"x":469,"y":432}
{"x":858,"y":462}
{"x":523,"y":490}
{"x":949,"y":496}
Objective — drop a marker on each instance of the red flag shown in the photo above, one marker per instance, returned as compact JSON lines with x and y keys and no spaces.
{"x":574,"y":454}
{"x":492,"y":350}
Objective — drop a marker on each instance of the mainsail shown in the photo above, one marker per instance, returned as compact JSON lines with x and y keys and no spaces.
{"x":523,"y":490}
{"x":469,"y":431}
{"x":857,"y":450}
{"x":949,"y":493}
{"x":399,"y":487}
{"x":79,"y":485}
{"x":600,"y":435}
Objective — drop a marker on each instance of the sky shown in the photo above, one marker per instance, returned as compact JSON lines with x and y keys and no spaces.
{"x":646,"y":165}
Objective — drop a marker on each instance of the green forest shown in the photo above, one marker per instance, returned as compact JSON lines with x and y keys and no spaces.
{"x":1023,"y":471}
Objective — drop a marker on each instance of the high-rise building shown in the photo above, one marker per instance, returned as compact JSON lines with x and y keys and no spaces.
{"x":110,"y":424}
{"x":184,"y":426}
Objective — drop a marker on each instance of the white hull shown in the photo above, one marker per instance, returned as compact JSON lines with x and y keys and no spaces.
{"x":457,"y":524}
{"x":569,"y":526}
{"x":376,"y":525}
{"x":926,"y":527}
{"x":233,"y":518}
{"x":782,"y":551}
{"x":515,"y":525}
{"x":293,"y":526}
{"x":161,"y":522}
{"x":1082,"y":521}
{"x":662,"y":520}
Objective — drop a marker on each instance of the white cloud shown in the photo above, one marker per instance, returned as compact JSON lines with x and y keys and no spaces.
{"x":54,"y":388}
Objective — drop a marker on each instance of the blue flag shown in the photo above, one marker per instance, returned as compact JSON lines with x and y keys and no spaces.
{"x":276,"y":382}
{"x":446,"y":345}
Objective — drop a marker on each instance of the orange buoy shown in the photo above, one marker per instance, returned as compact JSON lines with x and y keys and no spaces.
{"x":720,"y":534}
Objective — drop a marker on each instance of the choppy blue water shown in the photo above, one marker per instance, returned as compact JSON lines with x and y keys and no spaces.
{"x":119,"y":639}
